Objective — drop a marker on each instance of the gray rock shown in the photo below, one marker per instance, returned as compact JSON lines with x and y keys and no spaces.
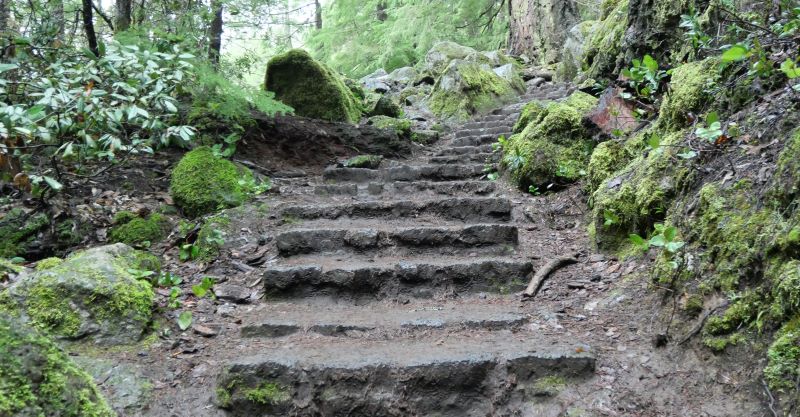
{"x":233,"y":293}
{"x":92,"y":294}
{"x":405,"y":75}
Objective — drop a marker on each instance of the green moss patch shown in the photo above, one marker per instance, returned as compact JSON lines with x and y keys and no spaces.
{"x":202,"y":183}
{"x":783,"y":368}
{"x":638,"y":195}
{"x":364,"y":161}
{"x":603,"y":52}
{"x":311,"y":88}
{"x":138,"y":231}
{"x":19,"y":229}
{"x":39,"y":379}
{"x":690,"y":86}
{"x":607,"y":158}
{"x":401,"y":126}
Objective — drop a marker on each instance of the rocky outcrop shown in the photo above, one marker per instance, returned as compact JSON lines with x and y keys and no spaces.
{"x":467,"y":88}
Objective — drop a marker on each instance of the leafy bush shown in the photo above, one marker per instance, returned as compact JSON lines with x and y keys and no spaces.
{"x":74,"y":106}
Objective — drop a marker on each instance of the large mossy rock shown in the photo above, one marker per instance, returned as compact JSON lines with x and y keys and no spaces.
{"x":92,"y":294}
{"x":38,"y":379}
{"x":443,"y":53}
{"x":552,"y":147}
{"x":203,"y":183}
{"x":311,"y":88}
{"x":468,"y":88}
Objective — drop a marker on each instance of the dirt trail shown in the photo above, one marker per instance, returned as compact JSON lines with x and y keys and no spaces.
{"x":394,"y":292}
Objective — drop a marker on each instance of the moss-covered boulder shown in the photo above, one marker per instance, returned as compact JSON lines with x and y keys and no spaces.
{"x":202,"y":183}
{"x":133,"y":230}
{"x":603,"y":52}
{"x":553,"y":147}
{"x":19,"y":230}
{"x":311,"y":88}
{"x":466,"y":88}
{"x":38,"y":379}
{"x":92,"y":294}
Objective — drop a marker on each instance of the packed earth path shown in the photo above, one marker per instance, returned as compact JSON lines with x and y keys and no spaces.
{"x":395,"y":291}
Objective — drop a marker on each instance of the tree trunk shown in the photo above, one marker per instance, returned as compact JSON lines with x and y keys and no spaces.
{"x":88,"y":27}
{"x":380,"y":12}
{"x":215,"y":34}
{"x":539,"y":28}
{"x":318,"y":14}
{"x":5,"y":12}
{"x":123,"y":15}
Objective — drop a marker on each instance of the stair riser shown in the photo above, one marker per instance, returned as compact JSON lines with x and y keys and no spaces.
{"x":483,"y":210}
{"x":418,"y":281}
{"x":277,"y":330}
{"x":463,"y":150}
{"x":393,"y":189}
{"x":315,"y":241}
{"x":461,"y":159}
{"x":476,"y":140}
{"x":496,"y":131}
{"x":478,"y":386}
{"x":406,"y":173}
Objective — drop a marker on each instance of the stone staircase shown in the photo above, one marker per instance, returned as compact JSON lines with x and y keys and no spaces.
{"x":393,"y":294}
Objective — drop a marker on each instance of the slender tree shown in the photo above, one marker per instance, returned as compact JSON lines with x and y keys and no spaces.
{"x":215,"y":33}
{"x":88,"y":26}
{"x":122,"y":18}
{"x":318,"y":14}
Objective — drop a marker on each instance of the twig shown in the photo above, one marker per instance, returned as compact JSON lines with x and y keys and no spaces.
{"x":541,"y":275}
{"x":702,"y":323}
{"x":771,"y":398}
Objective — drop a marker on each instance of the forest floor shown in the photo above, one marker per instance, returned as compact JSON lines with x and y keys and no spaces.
{"x":470,"y":246}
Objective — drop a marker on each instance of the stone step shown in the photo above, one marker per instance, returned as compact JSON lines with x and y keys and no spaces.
{"x":406,"y":173}
{"x":374,"y":189}
{"x":464,"y":133}
{"x":463,"y":150}
{"x":490,"y":118}
{"x":469,"y":209}
{"x":487,"y":139}
{"x":497,"y":374}
{"x":393,"y":277}
{"x":306,"y":241}
{"x":378,"y":320}
{"x":481,"y":124}
{"x":465,"y":158}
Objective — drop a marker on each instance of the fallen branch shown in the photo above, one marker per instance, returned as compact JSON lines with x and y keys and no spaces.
{"x":541,"y":275}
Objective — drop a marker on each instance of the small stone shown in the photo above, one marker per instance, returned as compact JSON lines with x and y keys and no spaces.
{"x":204,"y":330}
{"x":597,"y":258}
{"x":233,"y":293}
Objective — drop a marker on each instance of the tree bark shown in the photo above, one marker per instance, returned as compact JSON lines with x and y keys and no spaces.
{"x":215,"y":35}
{"x":88,"y":27}
{"x":318,"y":14}
{"x":123,"y":15}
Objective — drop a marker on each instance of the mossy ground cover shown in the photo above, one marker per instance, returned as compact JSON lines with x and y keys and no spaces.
{"x":138,"y":231}
{"x":37,"y":378}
